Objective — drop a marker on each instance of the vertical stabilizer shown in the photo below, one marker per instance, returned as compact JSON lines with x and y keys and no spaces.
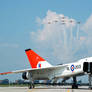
{"x":35,"y":60}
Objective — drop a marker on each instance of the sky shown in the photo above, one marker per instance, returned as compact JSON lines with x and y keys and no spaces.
{"x":25,"y":24}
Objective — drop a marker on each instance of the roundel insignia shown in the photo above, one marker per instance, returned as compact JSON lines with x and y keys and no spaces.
{"x":39,"y":65}
{"x":72,"y":68}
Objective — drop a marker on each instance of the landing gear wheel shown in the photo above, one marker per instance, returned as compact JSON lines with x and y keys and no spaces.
{"x":31,"y":86}
{"x":90,"y":87}
{"x":74,"y":86}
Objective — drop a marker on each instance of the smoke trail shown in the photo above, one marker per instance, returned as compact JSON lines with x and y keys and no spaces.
{"x":78,"y":28}
{"x":57,"y":38}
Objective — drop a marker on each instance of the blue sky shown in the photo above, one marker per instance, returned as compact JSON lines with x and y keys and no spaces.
{"x":18,"y":18}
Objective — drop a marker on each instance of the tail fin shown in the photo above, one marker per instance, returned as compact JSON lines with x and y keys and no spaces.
{"x":35,"y":60}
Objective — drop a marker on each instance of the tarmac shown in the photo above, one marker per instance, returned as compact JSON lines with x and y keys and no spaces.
{"x":44,"y":89}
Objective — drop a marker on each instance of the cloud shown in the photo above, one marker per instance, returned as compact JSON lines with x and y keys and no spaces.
{"x":9,"y":45}
{"x":61,"y":38}
{"x":87,"y":28}
{"x":50,"y":27}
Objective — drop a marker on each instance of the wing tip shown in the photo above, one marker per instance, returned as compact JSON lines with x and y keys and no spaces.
{"x":5,"y":73}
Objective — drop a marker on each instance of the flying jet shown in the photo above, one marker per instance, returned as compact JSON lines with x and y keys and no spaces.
{"x":42,"y":70}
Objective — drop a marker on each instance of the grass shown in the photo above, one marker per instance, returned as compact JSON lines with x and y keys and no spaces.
{"x":13,"y":85}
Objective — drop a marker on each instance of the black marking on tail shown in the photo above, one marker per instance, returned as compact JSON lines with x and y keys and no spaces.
{"x":27,"y":49}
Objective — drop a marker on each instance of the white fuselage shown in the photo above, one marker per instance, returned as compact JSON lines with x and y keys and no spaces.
{"x":71,"y":69}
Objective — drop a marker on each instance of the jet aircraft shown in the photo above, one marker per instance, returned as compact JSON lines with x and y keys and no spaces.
{"x":43,"y":70}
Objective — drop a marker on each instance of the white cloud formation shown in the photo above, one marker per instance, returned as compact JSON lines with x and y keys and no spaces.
{"x":61,"y":38}
{"x":87,"y":27}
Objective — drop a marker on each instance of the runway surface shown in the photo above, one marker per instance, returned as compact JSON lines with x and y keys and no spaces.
{"x":43,"y":89}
